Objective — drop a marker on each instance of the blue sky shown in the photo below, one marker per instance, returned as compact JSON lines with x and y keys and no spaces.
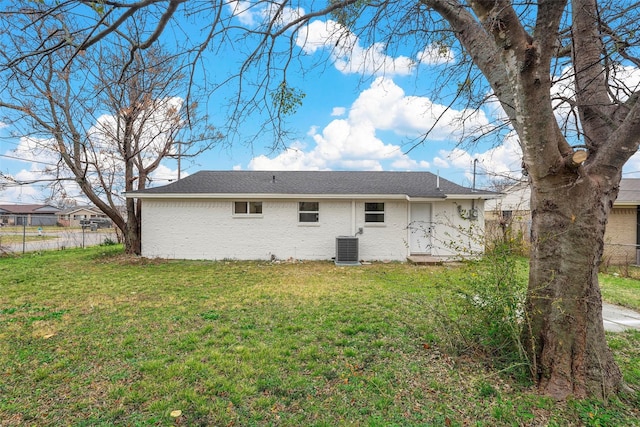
{"x":360,"y":112}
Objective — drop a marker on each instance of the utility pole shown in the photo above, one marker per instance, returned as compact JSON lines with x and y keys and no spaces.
{"x":473,"y":187}
{"x":179,"y":155}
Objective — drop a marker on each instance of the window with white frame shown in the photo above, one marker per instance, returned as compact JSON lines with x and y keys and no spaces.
{"x":247,"y":208}
{"x":308,"y":211}
{"x":374,"y":212}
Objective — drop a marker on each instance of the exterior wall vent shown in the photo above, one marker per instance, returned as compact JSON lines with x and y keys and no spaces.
{"x":347,"y":250}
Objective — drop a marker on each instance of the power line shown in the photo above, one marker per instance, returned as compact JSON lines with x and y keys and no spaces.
{"x":28,"y":161}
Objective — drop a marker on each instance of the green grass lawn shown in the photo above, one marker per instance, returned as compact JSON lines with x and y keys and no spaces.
{"x":92,"y":337}
{"x":620,"y":290}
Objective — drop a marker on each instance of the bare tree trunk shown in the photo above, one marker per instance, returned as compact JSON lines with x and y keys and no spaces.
{"x":132,"y":240}
{"x":566,"y":338}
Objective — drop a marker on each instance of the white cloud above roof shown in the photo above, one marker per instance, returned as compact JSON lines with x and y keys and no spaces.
{"x":354,"y":142}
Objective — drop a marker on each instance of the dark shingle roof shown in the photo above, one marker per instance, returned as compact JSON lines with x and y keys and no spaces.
{"x":412,"y":184}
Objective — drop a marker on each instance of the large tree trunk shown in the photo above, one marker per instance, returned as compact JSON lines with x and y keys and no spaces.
{"x":132,"y":235}
{"x":565,"y":331}
{"x":571,"y":197}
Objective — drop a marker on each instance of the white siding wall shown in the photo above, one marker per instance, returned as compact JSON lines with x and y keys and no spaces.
{"x":207,"y":229}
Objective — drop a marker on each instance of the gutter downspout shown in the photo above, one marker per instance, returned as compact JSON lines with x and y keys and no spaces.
{"x":353,"y":218}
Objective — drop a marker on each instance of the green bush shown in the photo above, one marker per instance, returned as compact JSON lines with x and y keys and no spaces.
{"x":108,"y":241}
{"x":484,"y":319}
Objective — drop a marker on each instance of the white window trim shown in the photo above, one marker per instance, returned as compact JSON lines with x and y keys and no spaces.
{"x":317,"y":212}
{"x":248,"y":214}
{"x":375,"y":223}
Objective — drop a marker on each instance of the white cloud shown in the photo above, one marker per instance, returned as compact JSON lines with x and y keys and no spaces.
{"x":251,"y":14}
{"x":501,"y":161}
{"x":243,"y":11}
{"x":103,"y":154}
{"x":164,"y":174}
{"x":440,"y":162}
{"x":31,"y":149}
{"x":623,"y":80}
{"x":505,"y":159}
{"x":35,"y":182}
{"x":338,"y":111}
{"x":436,"y":55}
{"x":458,"y":158}
{"x":406,"y":163}
{"x":290,"y":159}
{"x":386,"y":105}
{"x":632,"y":167}
{"x":350,"y":57}
{"x":23,"y":193}
{"x":156,"y":128}
{"x":353,"y":142}
{"x":281,"y":16}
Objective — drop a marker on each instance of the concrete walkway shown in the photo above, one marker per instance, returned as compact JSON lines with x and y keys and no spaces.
{"x":618,"y":319}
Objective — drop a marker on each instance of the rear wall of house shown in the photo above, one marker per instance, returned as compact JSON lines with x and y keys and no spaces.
{"x":208,"y":229}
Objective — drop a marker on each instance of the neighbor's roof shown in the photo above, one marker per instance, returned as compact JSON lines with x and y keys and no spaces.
{"x":28,"y":209}
{"x":629,"y":193}
{"x":73,"y":209}
{"x":312,"y":183}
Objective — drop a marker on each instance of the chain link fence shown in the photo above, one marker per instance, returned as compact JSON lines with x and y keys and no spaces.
{"x":620,"y":255}
{"x":33,"y":233}
{"x":516,"y":234}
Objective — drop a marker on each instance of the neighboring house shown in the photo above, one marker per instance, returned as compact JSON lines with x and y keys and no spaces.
{"x":509,"y":216}
{"x":71,"y":217}
{"x":622,"y":236}
{"x":310,"y":215}
{"x":31,"y":215}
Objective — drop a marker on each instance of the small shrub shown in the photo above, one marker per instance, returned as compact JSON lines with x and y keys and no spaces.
{"x":108,"y":241}
{"x":485,"y":319}
{"x":605,"y":263}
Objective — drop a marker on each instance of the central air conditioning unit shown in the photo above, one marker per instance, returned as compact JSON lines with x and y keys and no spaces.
{"x":347,"y":250}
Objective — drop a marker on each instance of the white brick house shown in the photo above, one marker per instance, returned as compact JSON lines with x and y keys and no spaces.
{"x":285,"y":214}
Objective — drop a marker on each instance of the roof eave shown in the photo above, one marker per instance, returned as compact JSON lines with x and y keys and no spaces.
{"x":473,"y":196}
{"x":626,"y":203}
{"x":277,"y":196}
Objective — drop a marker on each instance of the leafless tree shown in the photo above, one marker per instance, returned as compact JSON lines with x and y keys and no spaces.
{"x":106,"y":118}
{"x":541,"y":60}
